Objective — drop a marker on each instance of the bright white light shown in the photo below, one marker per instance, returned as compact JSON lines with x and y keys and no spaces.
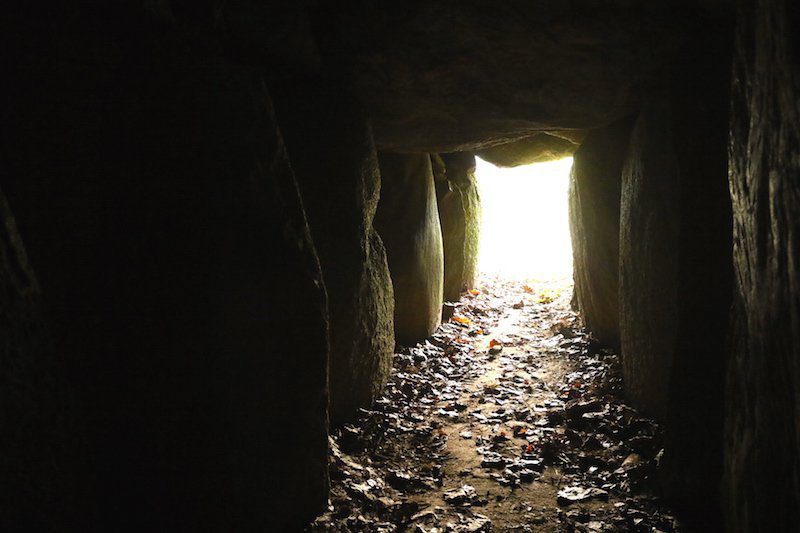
{"x":525,"y":229}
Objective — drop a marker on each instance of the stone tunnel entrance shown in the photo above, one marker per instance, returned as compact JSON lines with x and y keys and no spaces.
{"x":239,"y":267}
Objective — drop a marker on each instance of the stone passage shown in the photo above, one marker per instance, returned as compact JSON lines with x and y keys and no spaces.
{"x":221,"y":219}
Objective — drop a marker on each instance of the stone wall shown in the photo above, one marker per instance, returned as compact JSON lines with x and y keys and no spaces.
{"x":762,"y":432}
{"x":649,"y":250}
{"x":675,"y":266}
{"x":461,"y":173}
{"x":452,"y":218}
{"x":334,"y":159}
{"x":459,"y":215}
{"x":408,"y":221}
{"x":161,"y":215}
{"x":594,"y":204}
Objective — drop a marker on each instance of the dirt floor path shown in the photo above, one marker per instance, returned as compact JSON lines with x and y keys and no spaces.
{"x":507,"y":419}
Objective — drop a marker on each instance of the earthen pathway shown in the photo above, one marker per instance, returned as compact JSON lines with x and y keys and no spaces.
{"x":507,"y":419}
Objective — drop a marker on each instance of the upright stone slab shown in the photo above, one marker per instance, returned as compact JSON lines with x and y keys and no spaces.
{"x":460,"y":170}
{"x":408,"y":221}
{"x":334,"y":159}
{"x":675,"y":266}
{"x":762,"y":432}
{"x":594,"y":198}
{"x":160,"y":212}
{"x":453,"y":219}
{"x":649,"y":251}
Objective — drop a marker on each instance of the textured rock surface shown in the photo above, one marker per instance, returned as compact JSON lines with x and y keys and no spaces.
{"x":330,"y":144}
{"x":453,"y":219}
{"x":649,"y":248}
{"x":452,"y":75}
{"x":594,"y":200}
{"x":676,"y":274}
{"x":160,"y":213}
{"x":459,"y":215}
{"x":537,"y":148}
{"x":408,"y":221}
{"x":762,"y":481}
{"x":461,"y":173}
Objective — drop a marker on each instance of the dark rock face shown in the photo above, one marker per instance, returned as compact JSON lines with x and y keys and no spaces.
{"x":675,"y":266}
{"x":450,"y":75}
{"x":762,"y":434}
{"x":649,"y":248}
{"x":44,"y":480}
{"x":594,"y":203}
{"x":458,"y":201}
{"x":408,"y":221}
{"x":160,"y":212}
{"x":334,"y":159}
{"x":537,"y":148}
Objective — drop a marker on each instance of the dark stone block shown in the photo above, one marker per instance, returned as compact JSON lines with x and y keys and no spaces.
{"x":161,"y":215}
{"x":408,"y":221}
{"x":762,"y":430}
{"x":330,"y":144}
{"x":676,"y":268}
{"x":594,"y":201}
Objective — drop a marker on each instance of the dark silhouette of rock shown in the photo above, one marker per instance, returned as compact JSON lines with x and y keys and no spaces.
{"x":408,"y":221}
{"x":675,"y":265}
{"x":330,"y":145}
{"x":179,"y":280}
{"x":649,"y":249}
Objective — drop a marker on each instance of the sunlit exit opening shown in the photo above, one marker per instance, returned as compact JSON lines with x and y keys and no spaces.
{"x":525,"y":227}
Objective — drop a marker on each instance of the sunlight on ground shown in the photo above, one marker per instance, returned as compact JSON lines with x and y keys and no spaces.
{"x":525,"y":229}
